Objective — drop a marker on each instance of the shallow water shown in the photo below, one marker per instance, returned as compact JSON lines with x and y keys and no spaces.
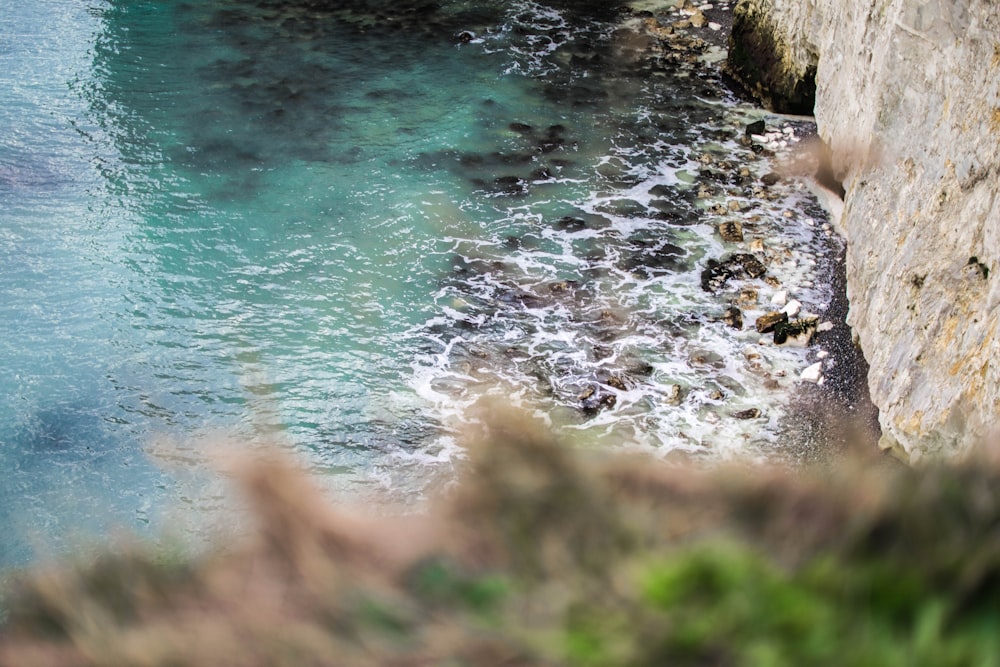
{"x":338,"y":228}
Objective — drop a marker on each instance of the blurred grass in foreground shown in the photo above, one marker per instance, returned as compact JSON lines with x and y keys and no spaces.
{"x":543,"y":555}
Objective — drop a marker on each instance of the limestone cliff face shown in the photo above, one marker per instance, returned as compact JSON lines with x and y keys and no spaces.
{"x":908,"y":99}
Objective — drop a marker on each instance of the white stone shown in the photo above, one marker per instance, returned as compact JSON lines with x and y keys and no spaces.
{"x":822,"y":354}
{"x":712,"y":25}
{"x":780,"y":298}
{"x":812,"y":373}
{"x":824,"y":326}
{"x":792,"y":308}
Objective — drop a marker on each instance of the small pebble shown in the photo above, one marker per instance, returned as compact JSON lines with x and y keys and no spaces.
{"x":792,"y":308}
{"x":822,"y":354}
{"x":780,"y":298}
{"x":824,"y":326}
{"x":712,"y":25}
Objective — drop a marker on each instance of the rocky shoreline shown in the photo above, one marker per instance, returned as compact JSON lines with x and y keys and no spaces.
{"x":906,"y":99}
{"x":834,"y":411}
{"x":767,"y":268}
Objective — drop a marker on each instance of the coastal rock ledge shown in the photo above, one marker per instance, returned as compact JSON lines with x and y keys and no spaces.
{"x":907,"y":97}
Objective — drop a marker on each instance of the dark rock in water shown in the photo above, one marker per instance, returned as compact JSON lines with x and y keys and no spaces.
{"x":750,"y":413}
{"x":571,"y":223}
{"x":511,"y":185}
{"x":653,"y":256}
{"x":465,"y":36}
{"x":740,"y":265}
{"x":593,"y":400}
{"x":465,"y":266}
{"x":796,"y":333}
{"x":555,"y":130}
{"x":672,"y":209}
{"x":541,"y":174}
{"x":731,"y":231}
{"x":714,"y":175}
{"x":471,"y":160}
{"x":512,"y":242}
{"x":624,"y":208}
{"x":641,"y":368}
{"x":715,"y":275}
{"x":751,"y":265}
{"x":563,"y":286}
{"x":768,"y":321}
{"x":758,"y":127}
{"x":520,"y":128}
{"x":662,"y":190}
{"x":518,"y":296}
{"x":706,"y":358}
{"x":512,"y":158}
{"x":617,"y":382}
{"x":602,"y":352}
{"x":582,"y":220}
{"x":770,"y":178}
{"x":733,"y":317}
{"x":551,"y":144}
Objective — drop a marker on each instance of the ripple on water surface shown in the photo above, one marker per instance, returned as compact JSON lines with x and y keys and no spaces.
{"x":338,"y":227}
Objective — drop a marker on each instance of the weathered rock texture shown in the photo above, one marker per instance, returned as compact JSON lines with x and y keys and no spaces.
{"x":908,"y":99}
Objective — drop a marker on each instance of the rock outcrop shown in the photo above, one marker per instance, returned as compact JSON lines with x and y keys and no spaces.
{"x":907,"y":97}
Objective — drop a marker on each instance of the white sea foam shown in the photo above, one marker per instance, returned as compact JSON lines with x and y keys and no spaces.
{"x":554,"y":329}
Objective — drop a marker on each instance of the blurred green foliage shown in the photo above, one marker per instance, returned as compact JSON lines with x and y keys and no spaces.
{"x":545,"y":555}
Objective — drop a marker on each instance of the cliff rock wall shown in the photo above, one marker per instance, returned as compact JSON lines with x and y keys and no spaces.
{"x":908,"y":99}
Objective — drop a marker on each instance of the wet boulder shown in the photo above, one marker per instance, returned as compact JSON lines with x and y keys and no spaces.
{"x":736,"y":266}
{"x":795,"y":333}
{"x":749,"y":413}
{"x":768,"y":321}
{"x":593,"y":399}
{"x":731,"y":231}
{"x":733,"y":317}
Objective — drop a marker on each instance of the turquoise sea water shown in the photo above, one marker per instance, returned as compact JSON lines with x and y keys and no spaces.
{"x":335,"y":225}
